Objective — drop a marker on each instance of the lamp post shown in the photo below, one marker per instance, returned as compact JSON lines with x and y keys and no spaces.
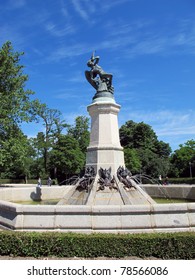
{"x":190,"y":165}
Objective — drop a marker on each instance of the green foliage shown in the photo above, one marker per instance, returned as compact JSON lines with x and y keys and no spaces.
{"x":80,"y":131}
{"x":152,"y":164}
{"x":66,"y":157}
{"x":183,"y":160}
{"x":11,"y":181}
{"x":143,"y":152}
{"x":184,"y":180}
{"x":36,"y":244}
{"x":132,"y":160}
{"x":15,"y":107}
{"x":14,"y":99}
{"x":53,"y":125}
{"x":138,"y":136}
{"x":22,"y":181}
{"x":15,"y":156}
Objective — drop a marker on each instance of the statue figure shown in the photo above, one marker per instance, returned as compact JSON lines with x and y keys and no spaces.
{"x":125,"y":177}
{"x":106,"y":179}
{"x":85,"y":182}
{"x":97,"y":77}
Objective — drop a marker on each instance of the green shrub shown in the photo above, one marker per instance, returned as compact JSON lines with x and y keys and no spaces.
{"x":12,"y":181}
{"x":21,"y":181}
{"x":189,"y":181}
{"x":36,"y":244}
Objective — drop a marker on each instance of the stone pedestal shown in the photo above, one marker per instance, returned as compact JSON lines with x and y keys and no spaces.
{"x":104,"y":149}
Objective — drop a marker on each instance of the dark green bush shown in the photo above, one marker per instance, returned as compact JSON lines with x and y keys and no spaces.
{"x":21,"y":181}
{"x":36,"y":244}
{"x":189,"y":181}
{"x":11,"y":181}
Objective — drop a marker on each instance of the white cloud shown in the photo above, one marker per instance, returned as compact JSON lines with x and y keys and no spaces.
{"x":134,"y":38}
{"x":10,"y":33}
{"x":67,"y":95}
{"x":165,"y":122}
{"x":80,"y":9}
{"x":71,"y":116}
{"x":58,"y":31}
{"x":140,"y":37}
{"x":188,"y":130}
{"x":107,"y":5}
{"x":64,"y":9}
{"x":13,"y":4}
{"x":79,"y":77}
{"x":89,"y":10}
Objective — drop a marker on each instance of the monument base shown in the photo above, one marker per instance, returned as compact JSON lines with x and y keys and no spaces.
{"x":105,"y":157}
{"x":104,"y":150}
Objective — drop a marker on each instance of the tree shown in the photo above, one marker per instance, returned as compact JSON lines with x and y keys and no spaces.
{"x":137,"y":135}
{"x":15,"y":107}
{"x":127,"y":133}
{"x":132,"y":160}
{"x":183,"y":160}
{"x":152,"y":164}
{"x":14,"y":99}
{"x":66,"y":157}
{"x":163,"y":149}
{"x":143,"y":152}
{"x":36,"y":168}
{"x":16,"y":156}
{"x":80,"y":131}
{"x":53,"y":127}
{"x":69,"y":151}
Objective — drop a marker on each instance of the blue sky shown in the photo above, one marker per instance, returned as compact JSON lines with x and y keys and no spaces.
{"x":148,"y":46}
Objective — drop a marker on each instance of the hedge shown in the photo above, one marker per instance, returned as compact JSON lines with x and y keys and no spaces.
{"x":21,"y":181}
{"x":177,"y":181}
{"x":55,"y":244}
{"x":189,"y":181}
{"x":12,"y":181}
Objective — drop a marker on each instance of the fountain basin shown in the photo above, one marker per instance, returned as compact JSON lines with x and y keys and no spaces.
{"x":171,"y":191}
{"x":94,"y":218}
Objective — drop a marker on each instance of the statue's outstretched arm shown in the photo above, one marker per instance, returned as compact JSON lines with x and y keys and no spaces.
{"x":96,"y":60}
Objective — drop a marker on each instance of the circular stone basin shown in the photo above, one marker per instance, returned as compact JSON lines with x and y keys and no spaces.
{"x":131,"y":218}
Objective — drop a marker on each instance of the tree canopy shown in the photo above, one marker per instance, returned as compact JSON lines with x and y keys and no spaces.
{"x":143,"y":151}
{"x":14,"y":98}
{"x":183,"y":160}
{"x":15,"y":107}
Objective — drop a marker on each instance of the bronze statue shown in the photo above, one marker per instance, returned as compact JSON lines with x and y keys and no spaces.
{"x":97,"y":77}
{"x":106,"y":180}
{"x":125,"y":177}
{"x":85,"y":182}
